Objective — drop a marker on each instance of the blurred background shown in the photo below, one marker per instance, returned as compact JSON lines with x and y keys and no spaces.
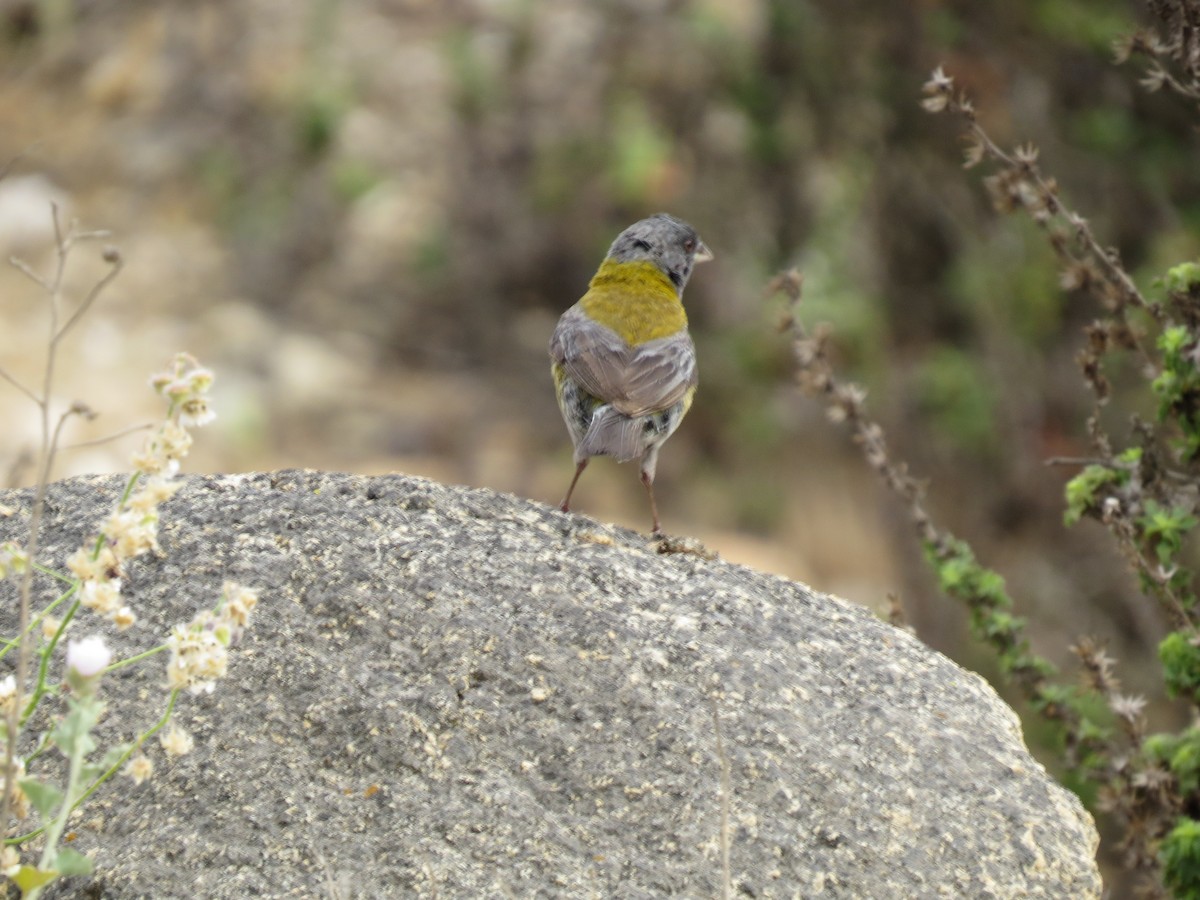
{"x":367,"y":216}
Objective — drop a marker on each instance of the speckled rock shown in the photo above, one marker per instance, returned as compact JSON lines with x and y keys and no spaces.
{"x":456,"y":693}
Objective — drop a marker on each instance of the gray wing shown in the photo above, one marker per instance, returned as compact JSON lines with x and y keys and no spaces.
{"x":635,"y":380}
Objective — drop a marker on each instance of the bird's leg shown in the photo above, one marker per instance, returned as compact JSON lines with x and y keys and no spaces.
{"x":565,"y":506}
{"x":649,"y":483}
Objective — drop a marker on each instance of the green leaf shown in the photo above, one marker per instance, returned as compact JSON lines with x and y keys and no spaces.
{"x":1183,"y":277}
{"x":1132,"y":455}
{"x":73,"y":732}
{"x":1173,"y":340}
{"x":1181,"y":859}
{"x":91,"y":771}
{"x":1082,"y":490}
{"x":44,"y":797}
{"x":1164,"y":528}
{"x":72,"y":862}
{"x":1181,"y":665}
{"x":30,"y":877}
{"x":1161,"y":746}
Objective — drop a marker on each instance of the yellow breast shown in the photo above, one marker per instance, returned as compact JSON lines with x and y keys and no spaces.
{"x":636,"y":300}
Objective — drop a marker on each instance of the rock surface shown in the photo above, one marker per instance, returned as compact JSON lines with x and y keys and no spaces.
{"x":454,"y":693}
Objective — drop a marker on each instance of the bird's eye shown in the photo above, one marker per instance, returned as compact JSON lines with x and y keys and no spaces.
{"x":689,"y":245}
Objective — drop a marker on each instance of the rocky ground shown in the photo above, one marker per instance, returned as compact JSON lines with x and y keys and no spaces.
{"x":457,"y":693}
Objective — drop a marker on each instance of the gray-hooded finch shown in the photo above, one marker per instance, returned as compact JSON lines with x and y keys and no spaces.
{"x":624,"y":365}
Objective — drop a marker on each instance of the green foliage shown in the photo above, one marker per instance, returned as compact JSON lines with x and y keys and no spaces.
{"x":1181,"y":859}
{"x":1181,"y":754}
{"x":1172,"y":342}
{"x":1095,"y":724}
{"x":92,"y":772}
{"x":959,"y":575}
{"x":1163,"y":529}
{"x":1178,"y":384}
{"x":93,"y":566}
{"x":72,"y":862}
{"x":30,"y":878}
{"x":1053,"y":697}
{"x":45,"y":798}
{"x":1183,"y":278}
{"x":1144,"y":496}
{"x":1082,"y":490}
{"x":1180,"y":658}
{"x":1021,"y":661}
{"x":72,"y":735}
{"x":983,"y":592}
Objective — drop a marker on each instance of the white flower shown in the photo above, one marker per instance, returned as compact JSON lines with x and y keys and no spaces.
{"x":195,"y":413}
{"x":88,"y":657}
{"x":102,"y":597}
{"x":176,"y":741}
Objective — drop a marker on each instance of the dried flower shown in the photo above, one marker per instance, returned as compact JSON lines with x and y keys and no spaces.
{"x":239,"y":602}
{"x":85,"y":564}
{"x":10,"y":861}
{"x":1122,"y":48}
{"x":8,"y":694}
{"x":20,"y":800}
{"x":198,"y":658}
{"x":184,"y":384}
{"x":154,"y":490}
{"x":102,"y":597}
{"x":1026,"y":154}
{"x":1128,"y":708}
{"x":140,"y":768}
{"x":937,"y":91}
{"x":131,"y":533}
{"x":1154,"y":78}
{"x":176,"y":742}
{"x":975,"y":152}
{"x":199,"y":650}
{"x":132,"y":528}
{"x":195,"y":413}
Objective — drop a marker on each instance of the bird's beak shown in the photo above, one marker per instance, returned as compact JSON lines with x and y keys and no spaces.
{"x":703,"y":254}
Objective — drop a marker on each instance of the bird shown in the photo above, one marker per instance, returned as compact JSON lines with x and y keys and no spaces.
{"x":623,"y":363}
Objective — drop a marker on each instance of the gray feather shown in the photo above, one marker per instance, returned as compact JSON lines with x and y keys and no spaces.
{"x":613,"y":434}
{"x":635,"y":380}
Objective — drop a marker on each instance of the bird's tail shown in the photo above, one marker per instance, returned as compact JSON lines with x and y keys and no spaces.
{"x":613,"y":434}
